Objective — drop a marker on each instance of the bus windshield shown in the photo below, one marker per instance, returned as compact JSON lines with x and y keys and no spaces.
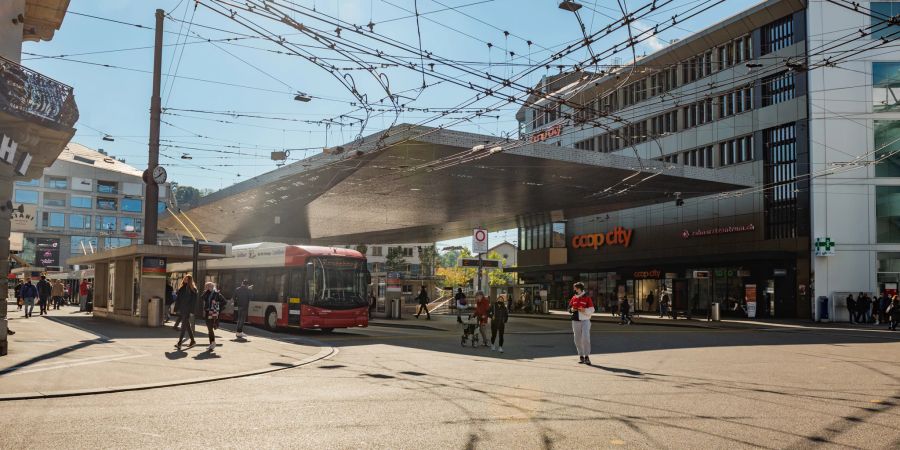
{"x":338,"y":283}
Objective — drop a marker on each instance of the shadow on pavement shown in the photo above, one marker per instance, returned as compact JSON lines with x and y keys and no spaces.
{"x":53,"y":354}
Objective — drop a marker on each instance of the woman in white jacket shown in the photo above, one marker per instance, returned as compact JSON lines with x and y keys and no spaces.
{"x":581,"y":306}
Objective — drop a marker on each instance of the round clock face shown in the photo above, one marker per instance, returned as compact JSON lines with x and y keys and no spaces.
{"x":159,"y":174}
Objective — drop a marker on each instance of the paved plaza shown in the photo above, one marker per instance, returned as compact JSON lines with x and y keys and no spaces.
{"x":409,"y":384}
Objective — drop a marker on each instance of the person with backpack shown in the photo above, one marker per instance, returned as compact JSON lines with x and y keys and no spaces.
{"x":212,"y":304}
{"x":28,"y":292}
{"x":460,"y":299}
{"x":581,"y":307}
{"x":423,"y":303}
{"x":44,"y":290}
{"x":186,"y":302}
{"x":499,"y":316}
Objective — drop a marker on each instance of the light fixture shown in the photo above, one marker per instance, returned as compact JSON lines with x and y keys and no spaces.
{"x":301,"y":97}
{"x":569,"y":5}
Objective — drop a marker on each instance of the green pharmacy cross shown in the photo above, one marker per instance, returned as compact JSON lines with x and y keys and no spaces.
{"x":824,"y":247}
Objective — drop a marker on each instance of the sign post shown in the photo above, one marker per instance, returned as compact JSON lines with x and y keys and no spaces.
{"x":480,"y":246}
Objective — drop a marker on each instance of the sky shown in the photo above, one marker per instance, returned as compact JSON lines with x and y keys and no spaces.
{"x":229,"y":103}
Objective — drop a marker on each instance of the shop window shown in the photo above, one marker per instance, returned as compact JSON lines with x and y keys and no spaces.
{"x":882,"y":12}
{"x":886,"y":86}
{"x":26,"y":196}
{"x":83,"y":245}
{"x":887,"y":146}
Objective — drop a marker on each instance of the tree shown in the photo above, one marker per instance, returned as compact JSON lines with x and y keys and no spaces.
{"x":186,"y":196}
{"x":362,"y":249}
{"x":395,"y":262}
{"x":498,"y":277}
{"x":449,"y":270}
{"x":429,"y":258}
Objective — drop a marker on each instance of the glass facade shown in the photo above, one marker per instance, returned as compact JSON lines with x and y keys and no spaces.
{"x":56,"y":182}
{"x":107,"y":203}
{"x":55,"y":199}
{"x":887,"y":213}
{"x":107,"y":187}
{"x":545,"y":235}
{"x":107,"y":223}
{"x":82,"y":245}
{"x":887,"y":148}
{"x":26,"y":196}
{"x":30,"y":183}
{"x":79,"y":221}
{"x":885,"y":82}
{"x":780,"y":149}
{"x":881,"y":13}
{"x":777,"y":88}
{"x":79,"y":201}
{"x":130,"y":224}
{"x":777,"y":35}
{"x":132,"y":205}
{"x":53,"y":220}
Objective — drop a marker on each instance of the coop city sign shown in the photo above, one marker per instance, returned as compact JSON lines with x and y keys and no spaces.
{"x":618,"y":236}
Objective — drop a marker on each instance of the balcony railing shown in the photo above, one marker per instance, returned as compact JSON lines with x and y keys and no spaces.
{"x":36,"y":97}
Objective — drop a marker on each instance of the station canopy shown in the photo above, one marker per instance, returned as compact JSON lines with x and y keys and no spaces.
{"x":420,"y":184}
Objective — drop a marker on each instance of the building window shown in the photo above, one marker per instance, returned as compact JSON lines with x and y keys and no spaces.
{"x":56,"y":182}
{"x":885,"y":84}
{"x":135,"y":189}
{"x":107,"y":187}
{"x":106,"y":203}
{"x":376,"y":251}
{"x":160,"y":207}
{"x":29,"y":183}
{"x":80,"y":221}
{"x":79,"y":201}
{"x":106,"y":223}
{"x":881,"y":13}
{"x":53,"y":220}
{"x":735,"y":102}
{"x":130,"y":224}
{"x":112,"y":242}
{"x":777,"y":88}
{"x":26,"y":196}
{"x":777,"y":35}
{"x":407,"y":252}
{"x":132,"y":205}
{"x":736,"y":151}
{"x":54,"y":199}
{"x":887,"y":213}
{"x":887,"y":146}
{"x":83,"y":245}
{"x":780,"y":171}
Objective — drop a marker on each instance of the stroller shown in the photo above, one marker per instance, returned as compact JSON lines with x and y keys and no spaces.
{"x":470,"y":332}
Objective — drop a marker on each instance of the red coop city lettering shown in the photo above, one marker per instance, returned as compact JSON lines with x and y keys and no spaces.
{"x":551,"y":132}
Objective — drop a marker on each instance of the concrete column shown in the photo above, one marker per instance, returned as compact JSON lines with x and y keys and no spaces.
{"x":11,"y":33}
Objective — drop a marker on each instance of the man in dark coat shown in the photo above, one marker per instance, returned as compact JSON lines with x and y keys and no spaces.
{"x":44,"y":289}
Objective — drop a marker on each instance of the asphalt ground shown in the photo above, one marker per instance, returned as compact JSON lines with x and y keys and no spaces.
{"x":411,"y":385}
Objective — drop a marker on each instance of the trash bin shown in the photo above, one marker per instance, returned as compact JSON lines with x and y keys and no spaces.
{"x":154,"y":312}
{"x":714,"y":312}
{"x":395,"y":308}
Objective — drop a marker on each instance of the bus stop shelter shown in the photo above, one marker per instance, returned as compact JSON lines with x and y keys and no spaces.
{"x":128,"y":279}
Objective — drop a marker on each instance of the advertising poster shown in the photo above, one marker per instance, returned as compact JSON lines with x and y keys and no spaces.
{"x":750,"y":297}
{"x":24,"y":217}
{"x":153,"y":266}
{"x":46,"y":252}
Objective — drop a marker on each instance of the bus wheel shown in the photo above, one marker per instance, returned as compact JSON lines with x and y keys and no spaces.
{"x":327,"y":330}
{"x":271,"y":320}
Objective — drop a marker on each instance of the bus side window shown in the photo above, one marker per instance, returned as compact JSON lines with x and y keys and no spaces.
{"x":281,"y":286}
{"x":314,"y":282}
{"x":226,"y":283}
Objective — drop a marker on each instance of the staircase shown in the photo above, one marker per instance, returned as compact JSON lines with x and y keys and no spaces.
{"x":441,"y":305}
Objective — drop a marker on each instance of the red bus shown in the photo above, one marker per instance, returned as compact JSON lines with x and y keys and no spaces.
{"x":293,"y":286}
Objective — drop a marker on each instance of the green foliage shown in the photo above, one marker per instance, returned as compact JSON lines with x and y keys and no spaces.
{"x":186,"y":196}
{"x":498,"y":277}
{"x":429,"y":258}
{"x":362,"y":249}
{"x":394,"y":261}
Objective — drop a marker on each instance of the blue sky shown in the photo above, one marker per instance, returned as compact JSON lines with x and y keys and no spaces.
{"x":251,"y":79}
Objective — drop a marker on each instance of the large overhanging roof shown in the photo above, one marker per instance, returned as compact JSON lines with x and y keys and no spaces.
{"x":414,"y":184}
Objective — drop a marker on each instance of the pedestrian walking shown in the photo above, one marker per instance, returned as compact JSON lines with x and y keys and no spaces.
{"x":863,"y":308}
{"x":372,"y":301}
{"x":851,"y":307}
{"x":664,"y":305}
{"x":19,"y":300}
{"x":82,"y":295}
{"x":242,"y":297}
{"x":482,"y":308}
{"x":29,"y":292}
{"x":499,"y":316}
{"x":626,"y":312}
{"x":893,"y":313}
{"x":44,"y":290}
{"x":460,"y":299}
{"x":186,"y":302}
{"x":57,"y":291}
{"x":650,"y":300}
{"x":581,"y":307}
{"x":423,"y":303}
{"x":212,"y":302}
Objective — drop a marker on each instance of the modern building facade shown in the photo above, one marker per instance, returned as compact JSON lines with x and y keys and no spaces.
{"x":753,"y":96}
{"x":85,"y":201}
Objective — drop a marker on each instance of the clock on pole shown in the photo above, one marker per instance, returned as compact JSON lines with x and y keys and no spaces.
{"x":159,"y":174}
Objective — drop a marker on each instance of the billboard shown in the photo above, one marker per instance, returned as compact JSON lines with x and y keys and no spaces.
{"x":24,"y":217}
{"x":46,"y":252}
